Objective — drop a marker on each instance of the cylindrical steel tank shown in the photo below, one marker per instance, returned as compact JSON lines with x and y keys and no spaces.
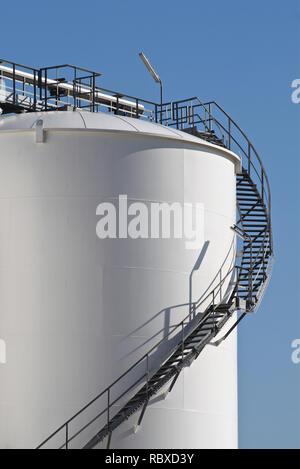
{"x":75,"y":310}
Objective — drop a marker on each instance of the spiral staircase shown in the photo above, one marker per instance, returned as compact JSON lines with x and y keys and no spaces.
{"x":248,"y":278}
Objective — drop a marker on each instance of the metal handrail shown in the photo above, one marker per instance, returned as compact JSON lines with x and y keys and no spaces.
{"x":146,"y":356}
{"x":254,"y":150}
{"x":248,"y":150}
{"x":207,"y":107}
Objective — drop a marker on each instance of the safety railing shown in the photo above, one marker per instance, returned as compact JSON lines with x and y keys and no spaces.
{"x":145,"y":367}
{"x":210,"y":121}
{"x":65,"y":87}
{"x":192,"y":113}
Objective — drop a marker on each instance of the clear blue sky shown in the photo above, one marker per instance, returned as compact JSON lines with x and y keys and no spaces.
{"x":244,"y":55}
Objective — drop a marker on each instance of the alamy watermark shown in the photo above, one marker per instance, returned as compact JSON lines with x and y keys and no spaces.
{"x":295,"y":96}
{"x":295,"y":356}
{"x":154,"y":220}
{"x":2,"y":352}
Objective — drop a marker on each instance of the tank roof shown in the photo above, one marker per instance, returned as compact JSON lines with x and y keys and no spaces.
{"x":88,"y":120}
{"x":84,"y":120}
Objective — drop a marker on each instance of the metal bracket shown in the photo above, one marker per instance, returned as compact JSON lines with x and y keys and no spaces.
{"x":108,"y":440}
{"x":240,"y":232}
{"x":218,"y":342}
{"x":137,"y":426}
{"x":39,"y":131}
{"x":172,"y":384}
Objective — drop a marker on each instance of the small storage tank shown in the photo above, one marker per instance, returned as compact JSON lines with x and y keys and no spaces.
{"x":76,"y":310}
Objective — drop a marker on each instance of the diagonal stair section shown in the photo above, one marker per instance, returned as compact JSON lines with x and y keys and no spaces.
{"x":184,"y":355}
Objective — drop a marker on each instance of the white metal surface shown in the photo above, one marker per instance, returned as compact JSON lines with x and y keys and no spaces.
{"x":77,"y":311}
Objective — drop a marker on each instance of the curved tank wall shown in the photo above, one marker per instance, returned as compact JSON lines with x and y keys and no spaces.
{"x":77,"y":311}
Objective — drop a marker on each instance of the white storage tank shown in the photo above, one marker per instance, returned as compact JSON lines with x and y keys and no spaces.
{"x":77,"y":310}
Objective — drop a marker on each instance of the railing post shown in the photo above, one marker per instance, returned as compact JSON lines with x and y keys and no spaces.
{"x":67,"y":436}
{"x":229,"y":133}
{"x":40,"y":83}
{"x":46,"y":89}
{"x":194,"y":310}
{"x":161,"y":99}
{"x":250,"y":272}
{"x":93,"y":83}
{"x":34,"y":91}
{"x":182,"y":340}
{"x":193,"y":115}
{"x":137,"y":108}
{"x":213,"y":305}
{"x":249,"y":158}
{"x":147,"y":386}
{"x":117,"y":108}
{"x":210,"y":121}
{"x":263,"y":260}
{"x":108,"y":408}
{"x":14,"y":83}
